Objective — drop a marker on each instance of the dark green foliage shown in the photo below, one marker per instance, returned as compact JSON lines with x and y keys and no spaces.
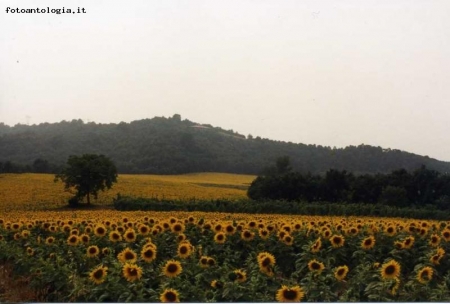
{"x":88,"y":174}
{"x":172,"y":146}
{"x":124,"y":203}
{"x":400,"y":188}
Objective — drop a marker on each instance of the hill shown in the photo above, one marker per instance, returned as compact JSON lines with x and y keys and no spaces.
{"x":173,"y":146}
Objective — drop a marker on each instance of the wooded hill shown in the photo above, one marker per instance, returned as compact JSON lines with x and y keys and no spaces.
{"x":172,"y":145}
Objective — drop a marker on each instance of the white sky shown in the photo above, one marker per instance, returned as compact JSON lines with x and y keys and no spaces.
{"x":333,"y":73}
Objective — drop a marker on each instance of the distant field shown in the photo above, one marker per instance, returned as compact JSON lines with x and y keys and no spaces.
{"x":38,"y":191}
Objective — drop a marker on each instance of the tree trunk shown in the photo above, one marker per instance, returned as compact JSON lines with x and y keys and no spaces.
{"x":88,"y":199}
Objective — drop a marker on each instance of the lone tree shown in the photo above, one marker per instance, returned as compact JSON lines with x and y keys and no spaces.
{"x":88,"y":174}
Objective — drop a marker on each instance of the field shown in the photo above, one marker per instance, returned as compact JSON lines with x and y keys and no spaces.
{"x":39,"y":192}
{"x":106,"y":255}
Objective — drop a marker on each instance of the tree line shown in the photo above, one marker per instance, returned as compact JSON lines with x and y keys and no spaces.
{"x":422,"y":187}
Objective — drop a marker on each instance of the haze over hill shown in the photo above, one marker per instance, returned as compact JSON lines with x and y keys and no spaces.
{"x":172,"y":145}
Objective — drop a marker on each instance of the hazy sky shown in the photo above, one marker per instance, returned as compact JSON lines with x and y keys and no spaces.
{"x":333,"y":73}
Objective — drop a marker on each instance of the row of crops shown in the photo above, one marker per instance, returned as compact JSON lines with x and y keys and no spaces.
{"x":180,"y":256}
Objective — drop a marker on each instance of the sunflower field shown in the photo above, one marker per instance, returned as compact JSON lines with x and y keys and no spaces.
{"x":215,"y":257}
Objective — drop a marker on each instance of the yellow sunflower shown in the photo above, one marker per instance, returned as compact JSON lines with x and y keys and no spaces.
{"x":425,"y":275}
{"x":114,"y":236}
{"x":337,"y":241}
{"x":315,"y":266}
{"x":127,"y":256}
{"x":288,"y":239}
{"x":184,"y":250}
{"x":263,"y":234}
{"x":73,"y":240}
{"x":395,"y":286}
{"x":341,"y":272}
{"x":203,"y":262}
{"x":289,"y":294}
{"x":247,"y":235}
{"x":316,"y":246}
{"x":241,"y":276}
{"x":390,"y":270}
{"x":220,"y":238}
{"x":434,"y":240}
{"x":129,"y":235}
{"x":169,"y":296}
{"x":98,"y":275}
{"x":84,"y":238}
{"x":148,"y":253}
{"x":172,"y":268}
{"x":446,"y":234}
{"x":92,"y":251}
{"x":49,"y":240}
{"x":100,"y":230}
{"x":177,"y":228}
{"x":368,"y":243}
{"x":143,"y":229}
{"x":408,"y":242}
{"x":131,"y":272}
{"x":265,"y":260}
{"x":216,"y":284}
{"x":390,"y":230}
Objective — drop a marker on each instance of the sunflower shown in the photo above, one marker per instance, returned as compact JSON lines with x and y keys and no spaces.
{"x":425,"y":275}
{"x":229,"y":229}
{"x":129,"y":235}
{"x":172,"y":268}
{"x":148,"y":253}
{"x":73,"y":240}
{"x":399,"y":245}
{"x":84,"y":238}
{"x":30,"y":251}
{"x":106,"y":251}
{"x":288,"y":240}
{"x":203,"y":261}
{"x":263,"y":234}
{"x":144,"y":229}
{"x":316,"y":246}
{"x":394,"y":287}
{"x":169,"y":295}
{"x":337,"y":241}
{"x":435,"y":259}
{"x":247,"y":235}
{"x":446,"y":234}
{"x":114,"y":236}
{"x":25,"y":234}
{"x":100,"y":230}
{"x":316,"y":266}
{"x":341,"y":272}
{"x":390,"y":270}
{"x":184,"y":250}
{"x":177,"y":228}
{"x":434,"y":240}
{"x":368,"y":243}
{"x":289,"y":294}
{"x":408,"y":242}
{"x":216,"y":284}
{"x":131,"y":272}
{"x":92,"y":251}
{"x":98,"y":275}
{"x":211,"y":262}
{"x":49,"y":240}
{"x":220,"y":238}
{"x":241,"y":276}
{"x":265,"y":260}
{"x":127,"y":256}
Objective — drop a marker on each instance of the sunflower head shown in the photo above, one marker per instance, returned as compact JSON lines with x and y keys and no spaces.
{"x":315,"y":266}
{"x":241,"y":276}
{"x":169,"y":296}
{"x":368,"y":243}
{"x":216,"y":284}
{"x":316,"y":246}
{"x":434,"y":240}
{"x":425,"y":275}
{"x":100,"y":230}
{"x":337,"y":241}
{"x":220,"y":238}
{"x":390,"y":270}
{"x":131,"y":272}
{"x":148,"y":253}
{"x":247,"y":235}
{"x":341,"y":272}
{"x":184,"y":250}
{"x":172,"y":268}
{"x":92,"y":251}
{"x":289,"y":294}
{"x":98,"y":275}
{"x":127,"y":256}
{"x":129,"y":235}
{"x":73,"y":240}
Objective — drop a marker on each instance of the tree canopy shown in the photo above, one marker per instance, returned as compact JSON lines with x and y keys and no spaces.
{"x":88,"y":174}
{"x":174,"y":146}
